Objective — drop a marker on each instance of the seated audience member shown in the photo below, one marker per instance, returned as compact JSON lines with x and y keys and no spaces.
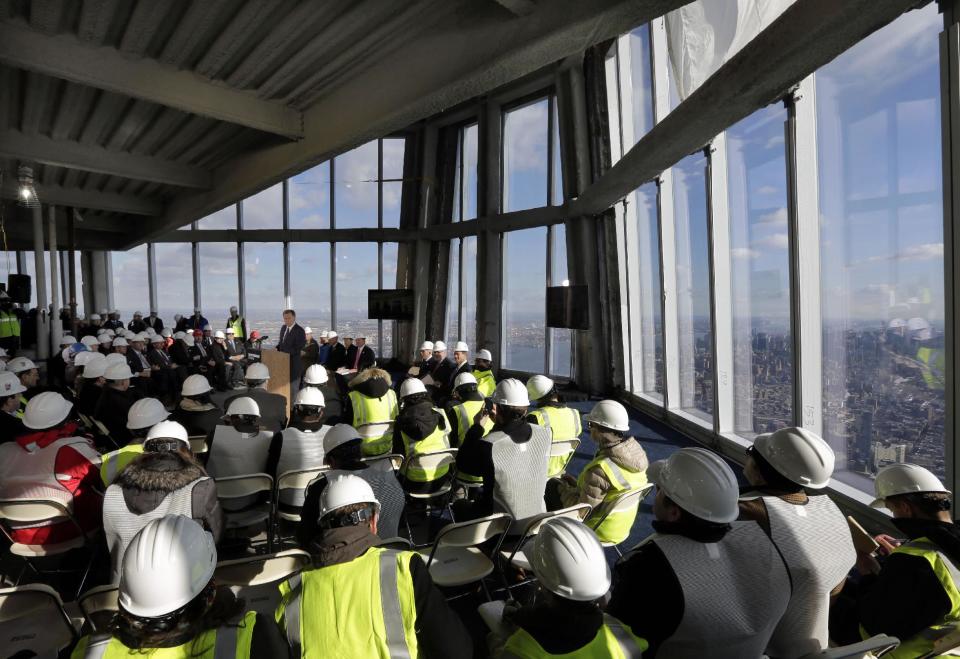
{"x":170,"y":606}
{"x":807,"y":527}
{"x":420,"y":428}
{"x":316,"y":376}
{"x":310,"y":352}
{"x":169,"y":374}
{"x":619,"y":466}
{"x":90,"y":386}
{"x":302,"y":443}
{"x":10,"y":390}
{"x":236,"y":351}
{"x":323,"y":351}
{"x":320,"y":605}
{"x":913,"y":595}
{"x":562,"y":421}
{"x":51,"y":460}
{"x":372,"y":405}
{"x":180,"y":353}
{"x":566,"y":619}
{"x":143,"y":415}
{"x":425,"y":364}
{"x":196,"y":411}
{"x":273,"y":407}
{"x":465,"y":404}
{"x":698,"y":541}
{"x":226,"y":371}
{"x":483,"y":371}
{"x":511,"y":459}
{"x":163,"y":480}
{"x":343,"y":453}
{"x":29,"y":376}
{"x":115,"y":401}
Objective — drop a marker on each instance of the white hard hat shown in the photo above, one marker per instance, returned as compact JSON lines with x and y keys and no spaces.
{"x":345,"y":490}
{"x":460,"y":346}
{"x":118,"y":371}
{"x":324,"y":334}
{"x":156,"y":338}
{"x":412,"y":386}
{"x":3,"y":351}
{"x":114,"y":358}
{"x":146,"y":412}
{"x":169,"y":430}
{"x":94,"y":316}
{"x":485,"y":355}
{"x":904,"y":479}
{"x":20,"y":364}
{"x":141,"y":337}
{"x":166,"y":333}
{"x":464,"y":378}
{"x":316,"y":374}
{"x":427,"y":345}
{"x":568,"y":560}
{"x":119,"y":341}
{"x":150,"y":331}
{"x":308,"y":330}
{"x":332,"y":335}
{"x":310,"y":396}
{"x":610,"y":414}
{"x":86,"y":357}
{"x":167,"y":564}
{"x":179,"y":335}
{"x":244,"y":405}
{"x":512,"y":393}
{"x":109,"y":332}
{"x":798,"y":455}
{"x":439,"y":346}
{"x":339,"y":435}
{"x":257,"y":371}
{"x":89,"y":341}
{"x":189,"y":340}
{"x":539,"y":386}
{"x":138,"y":313}
{"x":45,"y":410}
{"x":700,"y":482}
{"x":195,"y":385}
{"x":219,"y":335}
{"x":106,"y":340}
{"x":10,"y":384}
{"x":68,"y":340}
{"x":128,"y":335}
{"x":230,"y":330}
{"x":95,"y":369}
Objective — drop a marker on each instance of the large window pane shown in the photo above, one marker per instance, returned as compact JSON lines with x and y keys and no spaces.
{"x":649,"y":297}
{"x":356,"y":274}
{"x":264,"y":210}
{"x":469,"y":300}
{"x":694,"y":321}
{"x":878,"y":120}
{"x":760,"y":273}
{"x":393,"y":150}
{"x":556,"y":191}
{"x":130,"y":291}
{"x":452,"y":331}
{"x":263,"y":276}
{"x":174,"y":280}
{"x":225,"y":218}
{"x":561,"y":339}
{"x":310,"y":285}
{"x":310,"y":198}
{"x":355,"y":187}
{"x":219,"y":288}
{"x":469,"y":192}
{"x":391,"y":252}
{"x":525,"y":163}
{"x":524,"y":299}
{"x":629,"y":90}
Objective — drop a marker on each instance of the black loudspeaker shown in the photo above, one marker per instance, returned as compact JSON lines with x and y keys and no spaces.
{"x":18,"y":288}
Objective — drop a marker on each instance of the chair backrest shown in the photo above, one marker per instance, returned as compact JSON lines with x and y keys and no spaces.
{"x":33,"y":510}
{"x":231,"y":487}
{"x":198,"y":444}
{"x":564,"y":447}
{"x":624,"y":502}
{"x":578,"y":512}
{"x":32,"y":619}
{"x":256,"y":579}
{"x":102,"y":429}
{"x":875,"y":645}
{"x":396,"y":460}
{"x":473,"y":533}
{"x":298,"y":479}
{"x":98,"y":605}
{"x":398,"y":543}
{"x":431,"y":461}
{"x":85,"y":420}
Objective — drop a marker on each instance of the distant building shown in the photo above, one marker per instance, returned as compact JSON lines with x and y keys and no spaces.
{"x":891,"y":454}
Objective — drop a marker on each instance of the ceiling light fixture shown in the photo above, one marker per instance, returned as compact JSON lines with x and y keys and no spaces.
{"x":27,"y":195}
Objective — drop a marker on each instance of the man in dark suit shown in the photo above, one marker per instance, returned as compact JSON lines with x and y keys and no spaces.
{"x":236,"y":351}
{"x":160,"y":361}
{"x":292,"y":340}
{"x":351,"y":354}
{"x":154,"y":321}
{"x":273,"y":407}
{"x":338,"y":353}
{"x":364,"y":356}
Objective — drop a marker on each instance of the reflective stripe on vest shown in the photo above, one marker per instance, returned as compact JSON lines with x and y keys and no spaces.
{"x":613,"y":640}
{"x":437,"y":441}
{"x":949,"y":577}
{"x":617,"y":525}
{"x":9,"y":325}
{"x":564,"y":424}
{"x":370,"y":411}
{"x":399,"y":631}
{"x":116,"y":461}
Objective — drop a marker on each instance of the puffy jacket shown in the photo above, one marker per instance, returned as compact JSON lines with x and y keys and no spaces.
{"x":628,"y":454}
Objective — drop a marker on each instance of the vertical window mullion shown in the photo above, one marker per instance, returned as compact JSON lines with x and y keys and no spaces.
{"x":548,"y":337}
{"x":718,"y":222}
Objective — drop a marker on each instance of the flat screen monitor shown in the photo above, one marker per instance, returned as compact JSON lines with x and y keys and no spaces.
{"x":390,"y":303}
{"x":567,"y":307}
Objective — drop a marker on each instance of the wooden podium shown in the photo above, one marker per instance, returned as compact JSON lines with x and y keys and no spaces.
{"x":279,"y":365}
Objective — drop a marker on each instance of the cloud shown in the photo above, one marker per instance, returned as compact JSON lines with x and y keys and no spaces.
{"x":777,"y":218}
{"x":774,"y":141}
{"x":767,"y":190}
{"x":525,"y":138}
{"x":744,"y":254}
{"x":925,"y":252}
{"x":773,"y":241}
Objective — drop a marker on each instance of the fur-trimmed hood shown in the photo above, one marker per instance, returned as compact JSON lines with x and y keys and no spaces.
{"x":373,"y":382}
{"x":159,"y":472}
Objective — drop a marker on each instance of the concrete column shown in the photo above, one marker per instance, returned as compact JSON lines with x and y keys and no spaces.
{"x":56,"y":327}
{"x":99,"y":282}
{"x":40,"y":267}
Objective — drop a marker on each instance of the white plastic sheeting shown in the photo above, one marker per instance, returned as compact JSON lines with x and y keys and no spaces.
{"x":704,"y":34}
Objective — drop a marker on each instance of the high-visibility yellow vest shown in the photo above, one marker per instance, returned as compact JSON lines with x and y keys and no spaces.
{"x":616,"y":527}
{"x":564,"y":423}
{"x":949,"y":577}
{"x":486,"y":384}
{"x":9,"y":324}
{"x":237,"y":326}
{"x":363,"y":608}
{"x":116,"y":461}
{"x":438,"y":440}
{"x":22,"y":408}
{"x":375,"y":412}
{"x":464,"y":412}
{"x":224,"y":643}
{"x":614,"y":640}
